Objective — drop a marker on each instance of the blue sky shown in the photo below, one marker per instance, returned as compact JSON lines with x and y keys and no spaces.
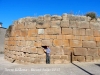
{"x":11,"y":10}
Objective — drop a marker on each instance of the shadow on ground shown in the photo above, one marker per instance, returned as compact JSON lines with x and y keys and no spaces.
{"x":98,"y":65}
{"x":83,"y":69}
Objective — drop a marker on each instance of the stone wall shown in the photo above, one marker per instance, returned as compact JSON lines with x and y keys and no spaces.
{"x":71,"y":38}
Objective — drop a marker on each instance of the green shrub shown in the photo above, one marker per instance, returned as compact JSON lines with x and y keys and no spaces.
{"x":92,"y":15}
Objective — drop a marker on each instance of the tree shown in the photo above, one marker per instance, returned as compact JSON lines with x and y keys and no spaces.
{"x":92,"y":15}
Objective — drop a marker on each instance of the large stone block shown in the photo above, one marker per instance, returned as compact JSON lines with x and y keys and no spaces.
{"x":93,"y":52}
{"x":40,"y":51}
{"x":77,"y":37}
{"x":73,"y":24}
{"x":89,"y":32}
{"x":37,"y":44}
{"x":57,"y":42}
{"x":30,"y":25}
{"x":65,"y":23}
{"x":89,"y":44}
{"x":56,"y":51}
{"x":53,"y":37}
{"x":33,"y":50}
{"x":61,"y":37}
{"x":47,"y":36}
{"x":64,"y":57}
{"x":43,"y":24}
{"x":75,"y":43}
{"x":97,"y":38}
{"x":99,"y":51}
{"x":55,"y":56}
{"x":69,"y":36}
{"x":46,"y":42}
{"x":67,"y":31}
{"x":65,"y":43}
{"x":79,"y":58}
{"x":98,"y":44}
{"x":53,"y":31}
{"x":83,"y":24}
{"x":89,"y":58}
{"x":57,"y":61}
{"x":88,"y":38}
{"x":77,"y":31}
{"x":32,"y":32}
{"x":55,"y":23}
{"x":80,"y":51}
{"x":96,"y":32}
{"x":67,"y":50}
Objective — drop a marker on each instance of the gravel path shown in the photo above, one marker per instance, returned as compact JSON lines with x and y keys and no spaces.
{"x":90,"y":68}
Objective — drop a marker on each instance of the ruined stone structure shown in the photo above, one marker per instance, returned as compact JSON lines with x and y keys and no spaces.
{"x":71,"y":38}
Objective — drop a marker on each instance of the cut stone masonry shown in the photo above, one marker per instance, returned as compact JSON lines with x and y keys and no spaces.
{"x":70,"y":38}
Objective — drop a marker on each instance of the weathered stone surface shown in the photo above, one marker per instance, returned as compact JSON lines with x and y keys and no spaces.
{"x":72,"y":24}
{"x":96,"y":32}
{"x":30,"y":25}
{"x":43,"y":24}
{"x":46,"y":42}
{"x":80,"y":51}
{"x":98,"y":44}
{"x":75,"y":43}
{"x":61,"y":37}
{"x":47,"y":36}
{"x":57,"y":42}
{"x":88,"y":58}
{"x":89,"y":44}
{"x":33,"y":50}
{"x":79,"y":58}
{"x":99,"y":51}
{"x":69,"y":36}
{"x":83,"y":24}
{"x":37,"y":44}
{"x":57,"y":61}
{"x":32,"y":32}
{"x":55,"y":56}
{"x":56,"y":18}
{"x":53,"y":37}
{"x":53,"y":31}
{"x":64,"y":57}
{"x":97,"y":39}
{"x":67,"y":50}
{"x":67,"y":31}
{"x":87,"y":38}
{"x":47,"y":17}
{"x":89,"y":32}
{"x":65,"y":17}
{"x":93,"y":52}
{"x":40,"y":51}
{"x":65,"y":43}
{"x":65,"y":23}
{"x":55,"y":23}
{"x":77,"y":31}
{"x":56,"y":51}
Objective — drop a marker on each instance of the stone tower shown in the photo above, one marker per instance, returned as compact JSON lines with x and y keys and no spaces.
{"x":70,"y":38}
